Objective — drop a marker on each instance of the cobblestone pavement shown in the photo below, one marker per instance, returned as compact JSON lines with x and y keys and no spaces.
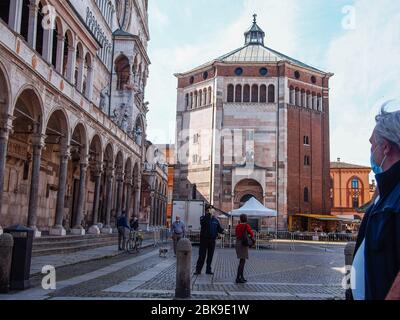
{"x":60,"y":260}
{"x":310,"y":272}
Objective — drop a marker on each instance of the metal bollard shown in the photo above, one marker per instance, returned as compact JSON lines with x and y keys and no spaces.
{"x":348,"y":261}
{"x":6,"y":249}
{"x":183,"y":268}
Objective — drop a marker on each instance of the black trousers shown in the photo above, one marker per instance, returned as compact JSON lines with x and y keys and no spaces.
{"x":207,"y":247}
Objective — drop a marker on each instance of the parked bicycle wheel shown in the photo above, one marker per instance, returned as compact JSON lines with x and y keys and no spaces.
{"x":138,"y":244}
{"x":131,"y":245}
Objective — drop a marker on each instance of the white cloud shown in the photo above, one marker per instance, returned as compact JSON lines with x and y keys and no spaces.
{"x":366,"y":66}
{"x":159,"y":17}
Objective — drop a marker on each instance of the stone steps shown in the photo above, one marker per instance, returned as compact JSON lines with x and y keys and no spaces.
{"x":68,"y":244}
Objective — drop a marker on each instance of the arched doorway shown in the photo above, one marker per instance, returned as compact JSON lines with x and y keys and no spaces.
{"x":246,"y":189}
{"x":245,"y":198}
{"x":24,"y":155}
{"x":56,"y":156}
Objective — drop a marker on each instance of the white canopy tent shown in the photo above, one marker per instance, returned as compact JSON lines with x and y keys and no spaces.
{"x":253,"y":209}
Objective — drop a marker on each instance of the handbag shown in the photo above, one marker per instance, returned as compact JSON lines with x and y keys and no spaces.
{"x":247,"y":241}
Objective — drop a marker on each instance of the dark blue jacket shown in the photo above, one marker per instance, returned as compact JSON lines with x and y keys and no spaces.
{"x":210,"y":227}
{"x":122,"y":221}
{"x":381,"y":230}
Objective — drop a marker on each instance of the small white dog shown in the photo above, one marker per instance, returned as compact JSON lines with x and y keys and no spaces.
{"x":163,"y":252}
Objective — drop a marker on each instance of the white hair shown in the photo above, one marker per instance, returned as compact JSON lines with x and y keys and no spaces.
{"x":388,"y":126}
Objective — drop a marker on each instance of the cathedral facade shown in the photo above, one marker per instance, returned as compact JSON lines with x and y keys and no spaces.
{"x":254,"y":123}
{"x":72,"y":113}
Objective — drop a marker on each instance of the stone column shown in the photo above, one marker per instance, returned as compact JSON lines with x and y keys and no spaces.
{"x":79,"y":81}
{"x":89,"y":83}
{"x":152,"y":207}
{"x":137,"y":201}
{"x":78,"y":229}
{"x":4,"y":133}
{"x":165,"y":214}
{"x":58,"y":229}
{"x":14,"y":21}
{"x":32,"y":30}
{"x":60,"y":53}
{"x":120,"y":182}
{"x":128,"y":197}
{"x":37,"y":145}
{"x":110,"y":177}
{"x":48,"y":44}
{"x":94,"y":229}
{"x":158,"y":222}
{"x":70,"y":74}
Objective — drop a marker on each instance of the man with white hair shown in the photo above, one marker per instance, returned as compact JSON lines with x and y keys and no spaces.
{"x":377,"y":253}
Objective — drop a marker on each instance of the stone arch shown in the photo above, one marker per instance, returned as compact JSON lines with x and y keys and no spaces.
{"x":108,"y":156}
{"x":122,"y":70}
{"x":119,"y":160}
{"x":69,"y":44}
{"x":128,"y":168}
{"x":79,"y":139}
{"x":5,"y":92}
{"x":139,"y":130}
{"x":79,"y":66}
{"x":254,"y":93}
{"x":87,"y":76}
{"x":24,"y":153}
{"x":238,"y":93}
{"x":30,"y":99}
{"x":246,"y":93}
{"x":58,"y":121}
{"x":40,"y":44}
{"x":263,"y":93}
{"x":352,"y":192}
{"x":271,"y":93}
{"x":58,"y":33}
{"x":96,"y":149}
{"x":349,"y":182}
{"x":247,"y":187}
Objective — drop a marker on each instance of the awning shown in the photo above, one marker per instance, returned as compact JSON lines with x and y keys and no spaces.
{"x":325,"y":217}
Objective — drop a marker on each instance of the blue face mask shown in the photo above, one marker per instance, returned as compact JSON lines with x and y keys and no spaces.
{"x":376,"y":168}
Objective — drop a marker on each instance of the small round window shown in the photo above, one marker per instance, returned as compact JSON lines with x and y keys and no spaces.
{"x":205,"y":75}
{"x":263,"y":71}
{"x":297,"y":75}
{"x":313,"y":79}
{"x":239,"y":71}
{"x":191,"y":80}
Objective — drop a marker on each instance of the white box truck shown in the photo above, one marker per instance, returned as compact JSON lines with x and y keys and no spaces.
{"x":190,"y":212}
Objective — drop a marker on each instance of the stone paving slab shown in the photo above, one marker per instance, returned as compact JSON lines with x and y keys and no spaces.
{"x":308,"y":273}
{"x":138,"y":280}
{"x":61,"y":260}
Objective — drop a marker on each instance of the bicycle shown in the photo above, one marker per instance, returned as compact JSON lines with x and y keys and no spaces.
{"x":135,"y":241}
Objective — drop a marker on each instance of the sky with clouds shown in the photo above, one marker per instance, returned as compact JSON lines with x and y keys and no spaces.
{"x":357,"y":40}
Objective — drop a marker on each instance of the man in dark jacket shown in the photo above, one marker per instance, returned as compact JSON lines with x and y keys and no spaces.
{"x":123,"y":230}
{"x":377,"y":253}
{"x":210,"y":227}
